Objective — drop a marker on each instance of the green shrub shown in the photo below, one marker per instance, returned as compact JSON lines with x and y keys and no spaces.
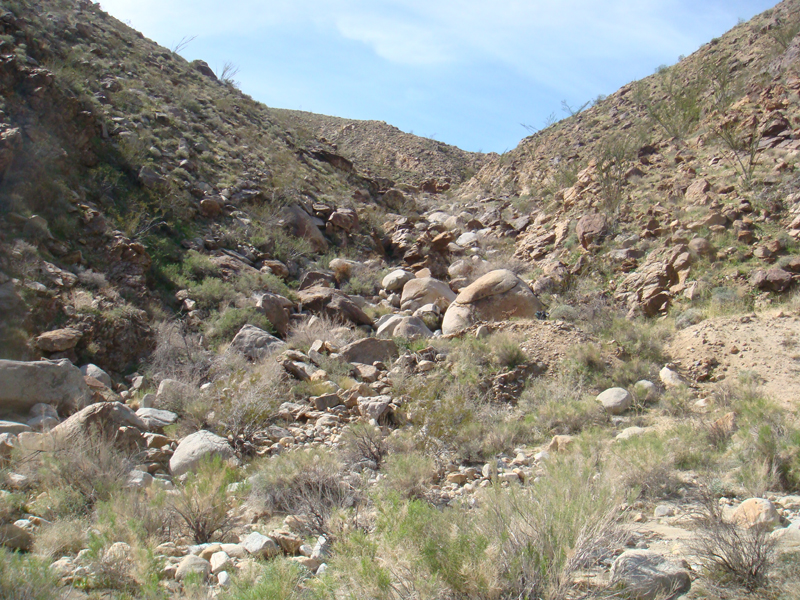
{"x":409,"y":474}
{"x":25,"y":577}
{"x":280,"y":579}
{"x":309,"y":483}
{"x":223,"y":326}
{"x":202,"y":504}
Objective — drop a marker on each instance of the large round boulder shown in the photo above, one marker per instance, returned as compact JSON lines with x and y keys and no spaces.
{"x":496,"y":296}
{"x":426,"y":290}
{"x":194,"y":448}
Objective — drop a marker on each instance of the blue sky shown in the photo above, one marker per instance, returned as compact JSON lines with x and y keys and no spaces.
{"x":466,"y":72}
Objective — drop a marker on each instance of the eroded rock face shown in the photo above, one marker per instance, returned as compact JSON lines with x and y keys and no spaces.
{"x":496,"y":296}
{"x":24,"y":384}
{"x":591,"y":228}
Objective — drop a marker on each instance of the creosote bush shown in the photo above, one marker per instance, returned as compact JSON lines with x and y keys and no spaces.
{"x":731,"y":553}
{"x":202,"y":503}
{"x":310,"y":483}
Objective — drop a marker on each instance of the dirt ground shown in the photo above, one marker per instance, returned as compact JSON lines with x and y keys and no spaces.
{"x":723,"y":348}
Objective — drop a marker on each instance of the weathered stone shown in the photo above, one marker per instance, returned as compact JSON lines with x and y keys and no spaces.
{"x":155,"y":419}
{"x":591,"y":228}
{"x":426,"y":290}
{"x":496,"y":296}
{"x":24,"y":384}
{"x":646,"y":575}
{"x":276,"y":308}
{"x":193,"y":564}
{"x":194,"y":448}
{"x":333,"y":304}
{"x":395,"y":280}
{"x":670,"y":378}
{"x":255,"y":343}
{"x":260,"y":545}
{"x":402,"y":326}
{"x":615,"y":400}
{"x":757,"y":513}
{"x":103,"y":419}
{"x":96,"y":372}
{"x":369,"y":350}
{"x":15,"y":538}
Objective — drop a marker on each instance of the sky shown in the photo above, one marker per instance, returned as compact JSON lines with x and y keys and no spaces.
{"x":471,"y":73}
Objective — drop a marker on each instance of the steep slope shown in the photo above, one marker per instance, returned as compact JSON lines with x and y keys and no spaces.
{"x":388,"y":152}
{"x":706,"y":149}
{"x":118,"y":156}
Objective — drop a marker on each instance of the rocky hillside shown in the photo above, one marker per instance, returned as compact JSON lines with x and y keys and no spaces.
{"x":254,"y":353}
{"x":388,"y":152}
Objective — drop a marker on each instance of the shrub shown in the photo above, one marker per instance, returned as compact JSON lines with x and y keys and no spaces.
{"x":409,"y":474}
{"x":246,"y":400}
{"x":675,"y":106}
{"x":645,"y":465}
{"x":87,"y":470}
{"x":279,"y":579}
{"x":322,"y":328}
{"x":67,"y":536}
{"x":547,"y":532}
{"x":560,"y":406}
{"x":25,"y":577}
{"x":363,"y":441}
{"x":223,"y":327}
{"x":179,"y":354}
{"x":507,"y":352}
{"x":202,"y":503}
{"x":309,"y":483}
{"x":730,"y":553}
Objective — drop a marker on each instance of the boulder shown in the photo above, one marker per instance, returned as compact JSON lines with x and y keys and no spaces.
{"x":13,"y":428}
{"x":670,"y":378}
{"x":155,"y":419}
{"x":103,"y":418}
{"x":15,"y":538}
{"x":193,"y":564}
{"x":345,"y":219}
{"x":91,"y":370}
{"x":591,"y":228}
{"x":260,"y":546}
{"x":58,"y":340}
{"x":171,"y":392}
{"x":400,"y":326}
{"x":756,"y":513}
{"x":255,"y":343}
{"x":495,"y":296}
{"x":333,"y":304}
{"x":194,"y":448}
{"x":426,"y":290}
{"x":369,"y":350}
{"x":276,"y":308}
{"x":395,"y":280}
{"x":304,"y":226}
{"x":647,"y":575}
{"x":24,"y":384}
{"x":615,"y":400}
{"x":701,"y":247}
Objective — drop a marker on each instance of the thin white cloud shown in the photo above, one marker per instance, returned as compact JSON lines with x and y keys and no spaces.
{"x":553,"y":43}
